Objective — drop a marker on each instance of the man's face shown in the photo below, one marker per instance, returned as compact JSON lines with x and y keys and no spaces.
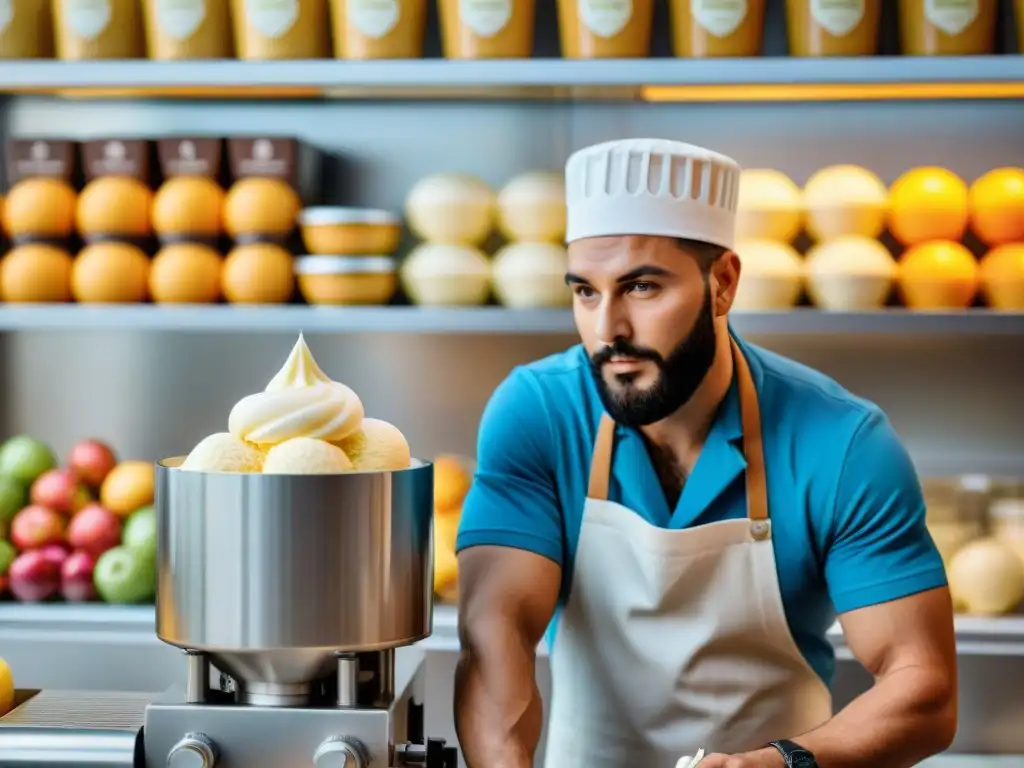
{"x":646,"y":309}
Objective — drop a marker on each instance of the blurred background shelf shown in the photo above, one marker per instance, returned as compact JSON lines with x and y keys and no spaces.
{"x":997,"y":76}
{"x":476,"y":320}
{"x":134,"y":624}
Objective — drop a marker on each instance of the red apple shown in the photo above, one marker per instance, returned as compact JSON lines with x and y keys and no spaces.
{"x":57,"y":553}
{"x":94,"y":529}
{"x":76,"y":578}
{"x":60,"y":490}
{"x":34,"y":577}
{"x":35,"y":527}
{"x":92,"y":460}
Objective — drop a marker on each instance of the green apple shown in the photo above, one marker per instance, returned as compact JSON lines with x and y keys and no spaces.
{"x":124,"y":576}
{"x":7,"y":556}
{"x":139,"y":533}
{"x":13,"y":498}
{"x":25,"y":458}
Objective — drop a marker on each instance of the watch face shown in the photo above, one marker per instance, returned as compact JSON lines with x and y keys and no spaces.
{"x":803,"y":759}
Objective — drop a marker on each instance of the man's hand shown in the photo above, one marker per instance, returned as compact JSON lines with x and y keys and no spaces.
{"x":763,"y":758}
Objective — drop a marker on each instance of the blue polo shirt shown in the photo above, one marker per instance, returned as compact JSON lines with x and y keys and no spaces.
{"x":848,"y":517}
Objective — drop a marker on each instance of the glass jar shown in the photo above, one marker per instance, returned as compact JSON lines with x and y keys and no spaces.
{"x":26,"y":30}
{"x":98,"y":29}
{"x":947,"y":27}
{"x":717,"y":28}
{"x":838,"y":28}
{"x":605,"y":29}
{"x":378,"y":29}
{"x":487,"y":29}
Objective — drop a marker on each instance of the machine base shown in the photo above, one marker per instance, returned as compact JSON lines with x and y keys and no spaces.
{"x":247,"y":736}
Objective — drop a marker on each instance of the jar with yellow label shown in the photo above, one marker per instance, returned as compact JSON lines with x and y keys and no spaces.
{"x":187,"y":29}
{"x":26,"y":29}
{"x":378,"y":29}
{"x":280,"y":29}
{"x":833,"y":27}
{"x":605,"y":29}
{"x":98,"y":29}
{"x":717,"y":28}
{"x":487,"y":29}
{"x":947,"y":27}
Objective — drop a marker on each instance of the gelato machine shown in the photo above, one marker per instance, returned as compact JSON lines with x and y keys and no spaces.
{"x":289,"y":594}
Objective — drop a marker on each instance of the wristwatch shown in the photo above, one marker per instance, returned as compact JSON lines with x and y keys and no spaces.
{"x":794,"y":755}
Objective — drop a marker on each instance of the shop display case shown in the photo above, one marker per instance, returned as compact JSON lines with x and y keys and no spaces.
{"x":136,"y":374}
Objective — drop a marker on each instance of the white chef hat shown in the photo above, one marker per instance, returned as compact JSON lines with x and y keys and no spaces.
{"x":651,"y":187}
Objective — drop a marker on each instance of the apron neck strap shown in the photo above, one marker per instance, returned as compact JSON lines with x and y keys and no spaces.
{"x":753,"y":447}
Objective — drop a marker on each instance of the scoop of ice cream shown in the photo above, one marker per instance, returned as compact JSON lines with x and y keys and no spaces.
{"x":377,"y":446}
{"x":306,"y":456}
{"x":300,"y":401}
{"x":223,"y":452}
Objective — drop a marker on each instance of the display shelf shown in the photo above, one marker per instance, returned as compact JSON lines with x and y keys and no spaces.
{"x":999,"y":76}
{"x":975,"y":636}
{"x":475,"y":320}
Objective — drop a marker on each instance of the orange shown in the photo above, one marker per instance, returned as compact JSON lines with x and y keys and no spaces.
{"x":997,"y":206}
{"x":185,"y":273}
{"x":938,"y":275}
{"x":128,"y":487}
{"x":1002,"y":277}
{"x":110,"y":273}
{"x":35,"y":273}
{"x":6,"y":688}
{"x":258,"y":273}
{"x":928,"y":204}
{"x":451,"y":483}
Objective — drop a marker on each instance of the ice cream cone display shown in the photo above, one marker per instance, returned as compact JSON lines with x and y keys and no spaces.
{"x":1002,"y":277}
{"x":849,"y":273}
{"x":845,"y":200}
{"x":772,"y":275}
{"x":301,"y":424}
{"x":938,"y":275}
{"x":453,"y":476}
{"x":77,"y":532}
{"x":996,"y":202}
{"x":928,"y":203}
{"x":770,"y":206}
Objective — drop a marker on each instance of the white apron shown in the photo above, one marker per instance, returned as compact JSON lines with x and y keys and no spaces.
{"x":676,"y":640}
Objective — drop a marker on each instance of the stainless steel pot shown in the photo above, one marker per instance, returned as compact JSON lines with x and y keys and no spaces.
{"x":272,"y":575}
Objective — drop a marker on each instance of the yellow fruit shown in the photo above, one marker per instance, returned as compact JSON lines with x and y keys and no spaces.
{"x":452,"y":479}
{"x":928,"y":204}
{"x":938,"y":275}
{"x":997,"y":206}
{"x":446,"y":565}
{"x":6,"y":688}
{"x":1002,"y":277}
{"x":128,"y":487}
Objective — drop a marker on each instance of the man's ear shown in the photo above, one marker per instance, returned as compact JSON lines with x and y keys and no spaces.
{"x":725,"y":276}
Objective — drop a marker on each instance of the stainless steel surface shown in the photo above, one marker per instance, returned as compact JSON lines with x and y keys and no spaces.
{"x":72,"y":728}
{"x":348,"y":680}
{"x":272,"y":575}
{"x":195,"y":750}
{"x":434,"y":78}
{"x":197,"y":683}
{"x":482,"y":320}
{"x":339,"y":753}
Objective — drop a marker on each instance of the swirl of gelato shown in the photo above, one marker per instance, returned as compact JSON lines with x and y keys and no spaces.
{"x":300,"y":401}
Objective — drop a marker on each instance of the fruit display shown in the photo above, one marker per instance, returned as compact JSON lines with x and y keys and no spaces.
{"x":931,"y":214}
{"x":453,"y":476}
{"x":79,"y":532}
{"x":173,"y":220}
{"x":303,"y":423}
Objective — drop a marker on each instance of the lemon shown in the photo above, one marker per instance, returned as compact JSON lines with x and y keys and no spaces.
{"x":6,"y":688}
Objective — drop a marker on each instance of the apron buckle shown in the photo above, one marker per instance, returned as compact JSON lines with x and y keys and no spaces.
{"x":760,"y":530}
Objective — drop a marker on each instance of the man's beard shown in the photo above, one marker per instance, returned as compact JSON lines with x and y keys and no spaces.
{"x":679,"y":375}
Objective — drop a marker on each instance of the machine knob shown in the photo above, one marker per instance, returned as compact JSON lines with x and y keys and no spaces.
{"x":195,"y":750}
{"x":339,"y":753}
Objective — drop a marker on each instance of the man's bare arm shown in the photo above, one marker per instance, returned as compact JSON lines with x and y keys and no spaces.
{"x":910,"y":713}
{"x":507,"y":598}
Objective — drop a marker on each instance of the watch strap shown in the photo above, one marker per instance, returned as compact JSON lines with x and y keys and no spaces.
{"x":794,"y":755}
